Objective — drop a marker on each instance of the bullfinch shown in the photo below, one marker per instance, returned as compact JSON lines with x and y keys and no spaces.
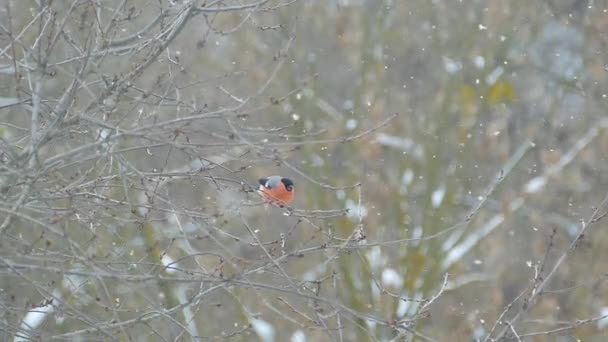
{"x":277,"y":190}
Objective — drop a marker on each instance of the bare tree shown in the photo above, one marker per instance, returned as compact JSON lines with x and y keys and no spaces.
{"x":124,"y":188}
{"x":441,"y":162}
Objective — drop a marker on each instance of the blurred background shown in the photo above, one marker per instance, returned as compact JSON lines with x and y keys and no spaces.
{"x":449,"y":160}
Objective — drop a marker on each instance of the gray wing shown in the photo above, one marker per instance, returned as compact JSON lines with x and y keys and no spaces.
{"x":273,"y":182}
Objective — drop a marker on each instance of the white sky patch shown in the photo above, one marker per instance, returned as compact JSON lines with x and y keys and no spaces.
{"x":437,"y":196}
{"x":408,"y":307}
{"x":351,"y":124}
{"x":479,"y":62}
{"x":414,"y":305}
{"x":399,"y":143}
{"x":172,"y":219}
{"x":74,"y":282}
{"x":375,"y":258}
{"x":348,"y":105}
{"x":104,"y":133}
{"x":416,"y":234}
{"x":391,"y":278}
{"x":33,"y":319}
{"x":7,"y":69}
{"x":402,"y":308}
{"x":603,"y":323}
{"x":375,"y":290}
{"x":479,"y":332}
{"x":264,"y":329}
{"x":313,"y":275}
{"x":36,"y":316}
{"x":354,"y":210}
{"x":535,"y":184}
{"x":451,"y":240}
{"x":494,"y":75}
{"x":141,"y":210}
{"x":406,"y":180}
{"x":181,"y":293}
{"x":408,"y":177}
{"x":461,"y":249}
{"x":371,"y":325}
{"x":298,"y":336}
{"x":450,"y":65}
{"x":169,"y":263}
{"x":199,"y":164}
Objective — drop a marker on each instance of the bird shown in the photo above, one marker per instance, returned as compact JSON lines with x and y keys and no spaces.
{"x":277,"y":190}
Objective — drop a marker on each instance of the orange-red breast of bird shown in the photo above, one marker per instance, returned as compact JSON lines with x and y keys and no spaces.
{"x":277,"y":189}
